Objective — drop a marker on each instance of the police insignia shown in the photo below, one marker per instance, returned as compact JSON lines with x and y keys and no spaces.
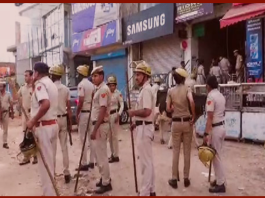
{"x":39,"y":88}
{"x":209,"y":102}
{"x":103,"y":95}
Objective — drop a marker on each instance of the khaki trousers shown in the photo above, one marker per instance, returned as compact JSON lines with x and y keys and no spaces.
{"x":63,"y":138}
{"x":217,"y":141}
{"x":100,"y":145}
{"x":82,"y":126}
{"x":162,"y":121}
{"x":5,"y":121}
{"x":144,"y":138}
{"x":181,"y":131}
{"x":113,"y":135}
{"x":47,"y":138}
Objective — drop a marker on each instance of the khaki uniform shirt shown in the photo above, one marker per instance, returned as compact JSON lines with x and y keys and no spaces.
{"x":155,"y":89}
{"x":224,"y":64}
{"x":5,"y":101}
{"x":239,"y":62}
{"x":116,"y":100}
{"x":25,"y":93}
{"x":145,"y":101}
{"x":64,"y":96}
{"x":85,"y":89}
{"x":216,"y":103}
{"x":45,"y":89}
{"x":190,"y":83}
{"x":178,"y":97}
{"x":102,"y":98}
{"x":216,"y":71}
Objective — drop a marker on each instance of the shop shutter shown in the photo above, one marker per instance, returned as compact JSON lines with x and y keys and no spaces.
{"x":162,"y":53}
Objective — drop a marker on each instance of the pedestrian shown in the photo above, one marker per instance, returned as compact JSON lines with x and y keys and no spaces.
{"x":43,"y":119}
{"x":216,"y":71}
{"x":215,"y":131}
{"x":85,"y":89}
{"x":63,"y":111}
{"x":143,"y":116}
{"x":239,"y":66}
{"x":116,"y":109}
{"x":179,"y":102}
{"x":25,"y":93}
{"x":6,"y":111}
{"x":200,"y":73}
{"x":225,"y":68}
{"x":100,"y":131}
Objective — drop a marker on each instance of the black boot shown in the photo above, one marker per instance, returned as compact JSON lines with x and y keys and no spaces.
{"x":83,"y":168}
{"x":91,"y":165}
{"x":186,"y":182}
{"x":5,"y":145}
{"x":173,"y":183}
{"x":114,"y":159}
{"x":213,"y":184}
{"x":162,"y":141}
{"x":24,"y":162}
{"x":218,"y":189}
{"x":102,"y":189}
{"x":35,"y":160}
{"x":98,"y":184}
{"x":152,"y":194}
{"x":67,"y":178}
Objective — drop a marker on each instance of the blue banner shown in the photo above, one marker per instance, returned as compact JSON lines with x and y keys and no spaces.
{"x":254,"y":42}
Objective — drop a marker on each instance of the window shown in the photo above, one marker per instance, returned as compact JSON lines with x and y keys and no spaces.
{"x":144,"y":6}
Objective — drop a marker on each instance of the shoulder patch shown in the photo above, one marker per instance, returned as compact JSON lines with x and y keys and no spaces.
{"x":39,"y":88}
{"x":209,"y":102}
{"x":103,"y":95}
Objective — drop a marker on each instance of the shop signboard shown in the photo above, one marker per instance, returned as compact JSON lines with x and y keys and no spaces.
{"x":254,"y":55}
{"x":87,"y":16}
{"x":98,"y":37}
{"x":149,"y":24}
{"x":189,"y":11}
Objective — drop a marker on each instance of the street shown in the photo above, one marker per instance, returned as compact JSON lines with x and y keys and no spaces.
{"x":244,"y":164}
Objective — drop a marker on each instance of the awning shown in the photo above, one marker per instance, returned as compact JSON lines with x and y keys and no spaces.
{"x":241,"y":13}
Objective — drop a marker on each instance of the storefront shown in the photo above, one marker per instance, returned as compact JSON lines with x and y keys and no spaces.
{"x":154,"y":29}
{"x":99,"y":38}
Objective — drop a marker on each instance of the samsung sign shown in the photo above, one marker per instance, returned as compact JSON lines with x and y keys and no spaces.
{"x":148,"y":24}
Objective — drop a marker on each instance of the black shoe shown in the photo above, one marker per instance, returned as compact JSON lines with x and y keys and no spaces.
{"x":186,"y":182}
{"x":91,"y":165}
{"x":170,"y":147}
{"x":114,"y":159}
{"x":162,"y":141}
{"x":5,"y":145}
{"x":102,"y":189}
{"x":152,"y":194}
{"x":213,"y":184}
{"x":67,"y":178}
{"x":99,"y":184}
{"x":173,"y":183}
{"x":24,"y":162}
{"x":35,"y":160}
{"x":111,"y":157}
{"x":83,"y":168}
{"x":218,"y":189}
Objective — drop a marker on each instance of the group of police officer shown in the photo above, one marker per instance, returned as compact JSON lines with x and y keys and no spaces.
{"x":50,"y":106}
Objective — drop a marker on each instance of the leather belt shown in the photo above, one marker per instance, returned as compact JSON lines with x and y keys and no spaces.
{"x":113,"y":111}
{"x":94,"y":122}
{"x":218,"y":124}
{"x":45,"y":123}
{"x":185,"y":119}
{"x":85,"y":111}
{"x":139,"y":123}
{"x":60,"y":116}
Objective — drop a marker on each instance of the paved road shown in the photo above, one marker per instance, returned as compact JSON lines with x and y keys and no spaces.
{"x":245,"y":168}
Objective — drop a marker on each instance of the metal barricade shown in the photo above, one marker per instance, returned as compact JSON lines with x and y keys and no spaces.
{"x":233,"y":96}
{"x":253,"y":111}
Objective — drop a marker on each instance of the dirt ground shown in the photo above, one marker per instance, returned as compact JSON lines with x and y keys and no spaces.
{"x":244,"y":164}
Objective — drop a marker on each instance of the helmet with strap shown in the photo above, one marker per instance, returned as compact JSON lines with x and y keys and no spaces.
{"x":206,"y":154}
{"x":112,"y":80}
{"x":83,"y":70}
{"x":56,"y":70}
{"x":28,"y":145}
{"x":144,"y":68}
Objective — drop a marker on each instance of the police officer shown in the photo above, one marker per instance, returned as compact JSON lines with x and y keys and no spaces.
{"x":115,"y":113}
{"x":6,"y":111}
{"x":215,"y":131}
{"x":44,"y":103}
{"x":155,"y":88}
{"x":100,"y":129}
{"x":85,"y":90}
{"x":63,"y":111}
{"x":143,"y":116}
{"x":178,"y":100}
{"x":239,"y":66}
{"x":25,"y":93}
{"x":216,"y":71}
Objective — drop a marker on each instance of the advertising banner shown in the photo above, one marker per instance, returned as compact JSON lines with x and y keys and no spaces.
{"x":189,"y":11}
{"x":98,"y":37}
{"x":87,"y":16}
{"x":254,"y":58}
{"x":148,"y":24}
